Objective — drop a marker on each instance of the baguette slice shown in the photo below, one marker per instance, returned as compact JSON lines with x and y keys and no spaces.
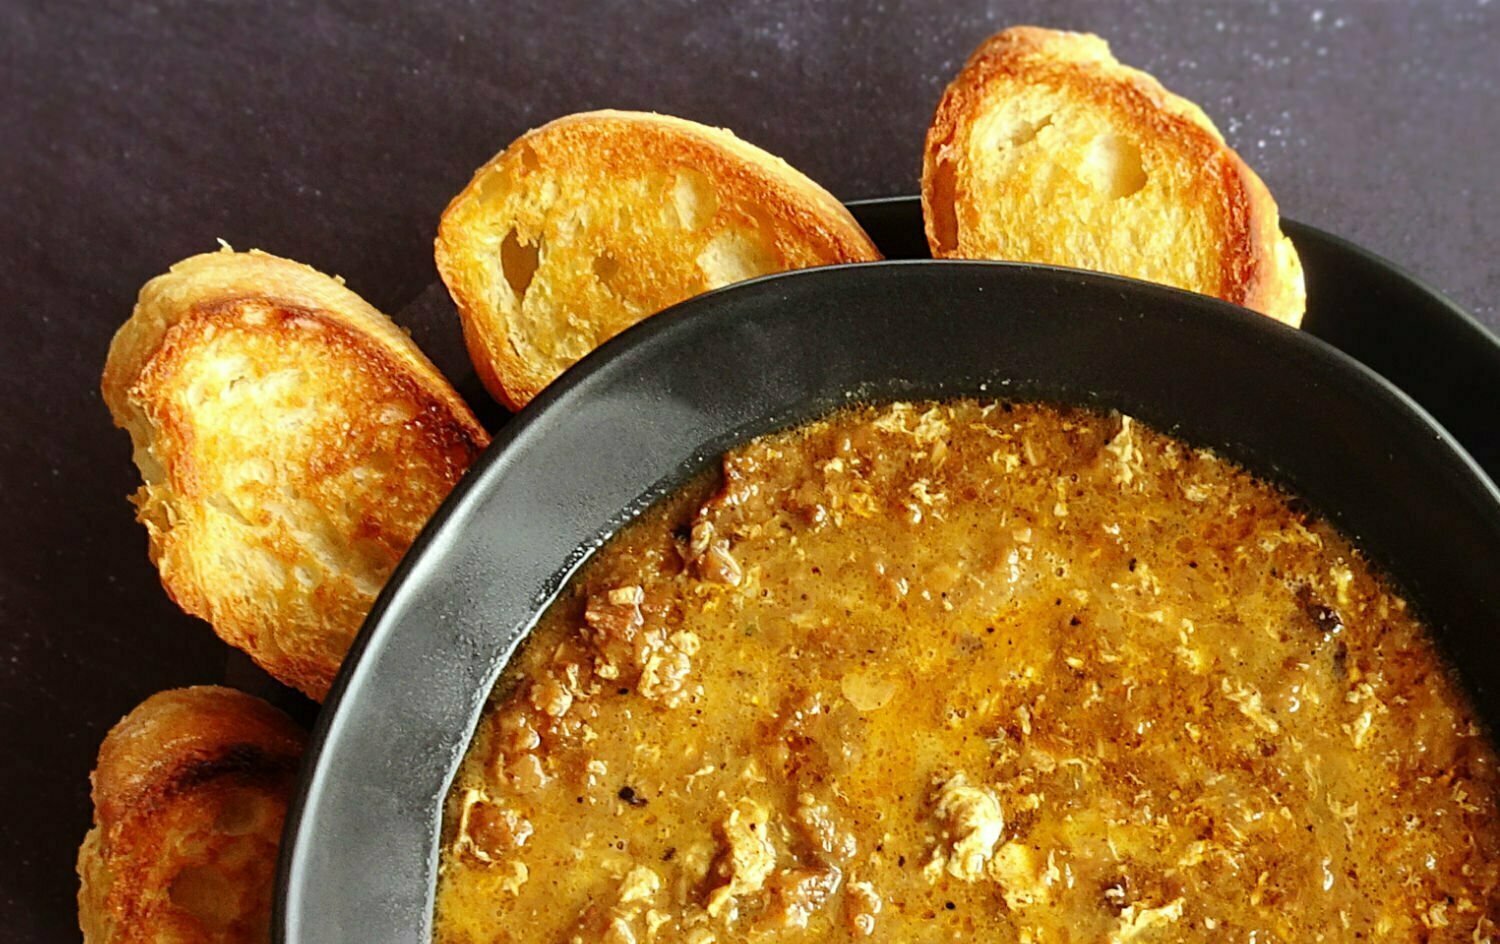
{"x":292,"y":442}
{"x":189,"y":798}
{"x":1046,"y":149}
{"x":591,"y":223}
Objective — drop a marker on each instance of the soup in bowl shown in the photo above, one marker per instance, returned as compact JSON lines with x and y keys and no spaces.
{"x":941,"y":670}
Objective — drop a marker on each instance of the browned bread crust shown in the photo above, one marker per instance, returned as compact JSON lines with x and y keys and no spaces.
{"x":595,"y":221}
{"x":189,"y":799}
{"x":1045,"y":148}
{"x":292,"y":442}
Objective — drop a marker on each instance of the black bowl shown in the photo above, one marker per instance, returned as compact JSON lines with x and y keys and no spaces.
{"x":654,"y":405}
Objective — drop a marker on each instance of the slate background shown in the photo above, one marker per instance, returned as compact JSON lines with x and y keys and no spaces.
{"x":134,"y":134}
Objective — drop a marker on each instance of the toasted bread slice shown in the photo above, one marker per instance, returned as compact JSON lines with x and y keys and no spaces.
{"x":189,"y":798}
{"x":292,"y":441}
{"x":591,"y":223}
{"x":1046,"y":149}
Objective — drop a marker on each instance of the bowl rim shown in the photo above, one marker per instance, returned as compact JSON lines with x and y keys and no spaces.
{"x":300,"y":855}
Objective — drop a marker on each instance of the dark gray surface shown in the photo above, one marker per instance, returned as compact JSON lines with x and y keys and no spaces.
{"x":132,"y":135}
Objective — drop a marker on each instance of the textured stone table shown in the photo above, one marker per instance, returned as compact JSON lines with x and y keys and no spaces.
{"x":136,"y":135}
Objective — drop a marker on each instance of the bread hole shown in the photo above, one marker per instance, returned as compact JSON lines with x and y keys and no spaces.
{"x":734,"y":256}
{"x":205,"y":894}
{"x":519,"y":261}
{"x":529,"y":160}
{"x":940,"y":208}
{"x":1008,"y":130}
{"x":606,"y":267}
{"x":1114,"y":165}
{"x":1024,"y":132}
{"x":694,"y":198}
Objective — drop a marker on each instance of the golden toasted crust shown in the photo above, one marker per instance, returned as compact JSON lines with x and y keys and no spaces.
{"x":1046,"y":149}
{"x":292,"y":442}
{"x":588,"y":224}
{"x":189,"y":799}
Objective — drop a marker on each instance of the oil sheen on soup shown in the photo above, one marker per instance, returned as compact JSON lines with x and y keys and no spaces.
{"x":942,"y":671}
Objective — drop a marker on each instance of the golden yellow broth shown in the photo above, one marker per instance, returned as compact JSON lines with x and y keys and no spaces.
{"x":946,"y":671}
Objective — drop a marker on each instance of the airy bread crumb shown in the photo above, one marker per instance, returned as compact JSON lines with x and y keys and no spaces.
{"x":292,"y":442}
{"x":1046,"y":149}
{"x":595,"y":221}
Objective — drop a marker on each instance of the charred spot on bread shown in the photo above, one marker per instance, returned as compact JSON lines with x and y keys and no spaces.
{"x":190,"y":794}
